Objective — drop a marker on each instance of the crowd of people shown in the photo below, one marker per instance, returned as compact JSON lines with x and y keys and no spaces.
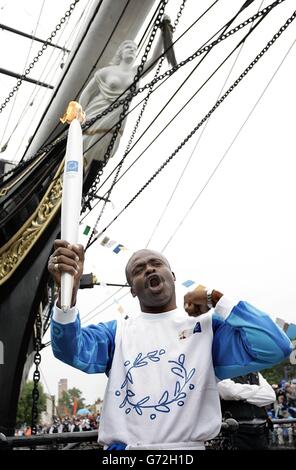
{"x":65,"y":424}
{"x":284,"y":408}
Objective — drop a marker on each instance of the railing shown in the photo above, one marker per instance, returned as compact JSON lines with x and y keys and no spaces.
{"x":54,"y":441}
{"x":283,"y":436}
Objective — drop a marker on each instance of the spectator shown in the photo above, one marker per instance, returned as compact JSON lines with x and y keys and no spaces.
{"x":244,"y":398}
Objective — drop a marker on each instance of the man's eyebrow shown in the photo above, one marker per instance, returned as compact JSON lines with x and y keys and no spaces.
{"x":136,"y":264}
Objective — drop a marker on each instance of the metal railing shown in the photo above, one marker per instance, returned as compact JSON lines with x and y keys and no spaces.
{"x":283,"y":436}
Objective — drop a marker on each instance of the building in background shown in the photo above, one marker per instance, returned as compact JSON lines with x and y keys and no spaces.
{"x":62,"y":387}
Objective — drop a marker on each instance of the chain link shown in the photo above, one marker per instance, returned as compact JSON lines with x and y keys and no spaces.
{"x":39,"y":54}
{"x":207,"y":116}
{"x":179,"y":14}
{"x":36,"y":374}
{"x":125,"y":105}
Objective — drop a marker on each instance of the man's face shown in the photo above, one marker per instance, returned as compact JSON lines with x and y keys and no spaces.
{"x":151,"y":280}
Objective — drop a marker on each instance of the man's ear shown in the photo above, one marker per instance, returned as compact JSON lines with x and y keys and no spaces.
{"x":133,"y":292}
{"x":174,"y":277}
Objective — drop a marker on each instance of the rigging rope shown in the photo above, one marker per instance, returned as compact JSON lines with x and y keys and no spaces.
{"x":168,"y":73}
{"x":60,"y":138}
{"x":39,"y":54}
{"x":15,"y":98}
{"x":229,"y":147}
{"x":180,"y":110}
{"x":83,"y":318}
{"x":205,"y":118}
{"x":87,"y":124}
{"x":52,"y":71}
{"x":206,"y":49}
{"x":133,"y":87}
{"x":115,"y":103}
{"x":126,"y":152}
{"x":200,"y":51}
{"x":195,"y":146}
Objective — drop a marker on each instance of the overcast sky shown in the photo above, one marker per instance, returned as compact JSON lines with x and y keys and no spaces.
{"x":239,"y":235}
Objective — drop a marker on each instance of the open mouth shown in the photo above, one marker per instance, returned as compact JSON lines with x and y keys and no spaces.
{"x":153,"y":281}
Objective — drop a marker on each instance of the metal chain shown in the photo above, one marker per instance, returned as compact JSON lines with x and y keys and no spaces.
{"x":94,"y":230}
{"x":39,"y":54}
{"x":36,"y":374}
{"x":125,"y":105}
{"x":179,"y":14}
{"x":207,"y":116}
{"x":168,"y":73}
{"x":184,"y":62}
{"x":214,"y":43}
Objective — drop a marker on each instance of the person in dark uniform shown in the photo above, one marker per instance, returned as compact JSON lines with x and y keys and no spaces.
{"x":244,"y":398}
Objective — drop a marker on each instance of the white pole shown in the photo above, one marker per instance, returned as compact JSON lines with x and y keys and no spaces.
{"x":71,"y":201}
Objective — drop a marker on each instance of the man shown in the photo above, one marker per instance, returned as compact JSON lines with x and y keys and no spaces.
{"x":162,"y":391}
{"x":244,"y":398}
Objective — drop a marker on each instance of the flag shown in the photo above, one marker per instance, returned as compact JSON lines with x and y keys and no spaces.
{"x":291,"y":331}
{"x":280,"y":322}
{"x":75,"y":407}
{"x":110,"y":243}
{"x":119,"y":248}
{"x":188,"y":283}
{"x":120,"y":309}
{"x":105,"y":241}
{"x":86,"y":230}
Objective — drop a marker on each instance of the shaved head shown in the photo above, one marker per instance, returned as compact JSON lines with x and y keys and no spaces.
{"x":152,"y":281}
{"x":138,"y":255}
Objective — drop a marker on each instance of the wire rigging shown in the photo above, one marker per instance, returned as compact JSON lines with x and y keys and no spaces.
{"x":15,"y":98}
{"x":119,"y":167}
{"x":182,"y":108}
{"x":39,"y":54}
{"x":198,"y":196}
{"x":205,"y":118}
{"x":115,"y":104}
{"x":195,"y":146}
{"x":266,"y":10}
{"x":53,"y":69}
{"x":118,"y":101}
{"x":229,"y":147}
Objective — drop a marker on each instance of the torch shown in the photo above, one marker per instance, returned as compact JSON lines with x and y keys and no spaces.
{"x":72,"y":190}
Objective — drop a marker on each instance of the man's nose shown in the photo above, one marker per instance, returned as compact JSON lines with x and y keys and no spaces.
{"x":149,"y":270}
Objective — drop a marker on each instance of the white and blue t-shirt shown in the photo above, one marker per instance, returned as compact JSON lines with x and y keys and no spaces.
{"x":163,"y":368}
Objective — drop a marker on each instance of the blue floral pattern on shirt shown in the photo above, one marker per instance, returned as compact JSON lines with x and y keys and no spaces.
{"x":167,"y":398}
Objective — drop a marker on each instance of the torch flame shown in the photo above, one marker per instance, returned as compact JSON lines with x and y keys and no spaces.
{"x":74,"y":111}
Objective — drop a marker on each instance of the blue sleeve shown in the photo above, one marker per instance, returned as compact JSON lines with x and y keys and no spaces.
{"x":247,"y":341}
{"x":89,"y":349}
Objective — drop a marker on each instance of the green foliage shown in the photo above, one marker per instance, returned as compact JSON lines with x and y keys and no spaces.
{"x":24,"y":411}
{"x":284,"y":370}
{"x":66,"y":403}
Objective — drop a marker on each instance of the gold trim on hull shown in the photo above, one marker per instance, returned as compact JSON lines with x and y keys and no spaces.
{"x":15,"y":250}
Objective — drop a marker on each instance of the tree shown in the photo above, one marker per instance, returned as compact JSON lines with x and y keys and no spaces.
{"x":66,"y":402}
{"x":24,"y":410}
{"x":284,"y":370}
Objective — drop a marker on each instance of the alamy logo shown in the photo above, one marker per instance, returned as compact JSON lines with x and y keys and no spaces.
{"x":72,"y":165}
{"x":1,"y":353}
